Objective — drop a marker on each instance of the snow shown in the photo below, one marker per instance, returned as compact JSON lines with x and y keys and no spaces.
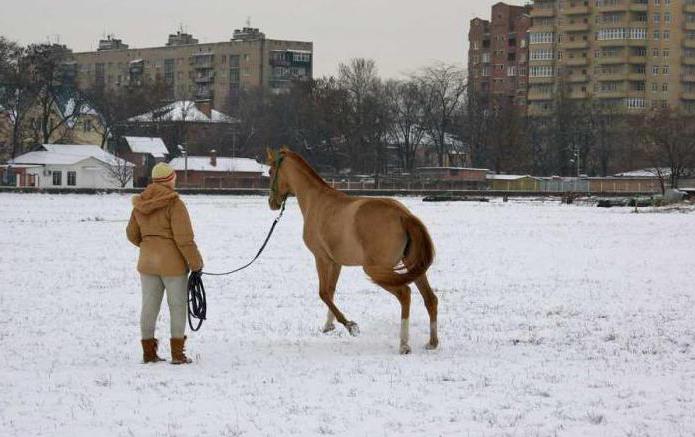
{"x":66,"y":154}
{"x":202,"y":163}
{"x":554,"y":320}
{"x":509,"y":177}
{"x":646,"y":173}
{"x":183,"y":110}
{"x":150,"y":145}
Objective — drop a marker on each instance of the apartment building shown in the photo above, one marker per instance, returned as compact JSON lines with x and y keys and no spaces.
{"x":629,"y":55}
{"x":197,"y":71}
{"x":498,"y":55}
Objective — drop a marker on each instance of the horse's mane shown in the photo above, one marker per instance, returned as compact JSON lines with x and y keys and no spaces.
{"x":305,"y":165}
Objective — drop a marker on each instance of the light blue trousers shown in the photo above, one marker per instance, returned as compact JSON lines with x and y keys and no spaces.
{"x":177,"y":298}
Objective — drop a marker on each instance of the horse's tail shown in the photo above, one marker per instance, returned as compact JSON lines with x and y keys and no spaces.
{"x":417,"y":257}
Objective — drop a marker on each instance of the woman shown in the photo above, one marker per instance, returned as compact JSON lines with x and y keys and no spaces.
{"x":159,"y":225}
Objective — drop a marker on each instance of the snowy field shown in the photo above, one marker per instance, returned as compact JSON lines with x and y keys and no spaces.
{"x":554,"y":320}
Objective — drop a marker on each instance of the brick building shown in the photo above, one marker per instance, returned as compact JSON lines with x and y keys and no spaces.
{"x":498,"y":55}
{"x":630,"y":55}
{"x":197,"y":71}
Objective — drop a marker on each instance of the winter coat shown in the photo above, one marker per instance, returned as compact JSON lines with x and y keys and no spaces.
{"x":159,"y":225}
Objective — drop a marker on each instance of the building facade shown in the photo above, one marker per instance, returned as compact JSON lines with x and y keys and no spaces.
{"x":629,"y":55}
{"x":197,"y":71}
{"x":498,"y":56}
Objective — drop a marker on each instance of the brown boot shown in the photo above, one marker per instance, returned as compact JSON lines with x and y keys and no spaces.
{"x":177,"y":354}
{"x":149,"y":351}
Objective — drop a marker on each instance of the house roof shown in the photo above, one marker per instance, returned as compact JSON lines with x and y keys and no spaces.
{"x":182,"y":110}
{"x":645,"y":173}
{"x":509,"y":177}
{"x":67,"y":154}
{"x":202,"y":163}
{"x":150,"y":145}
{"x":453,"y":168}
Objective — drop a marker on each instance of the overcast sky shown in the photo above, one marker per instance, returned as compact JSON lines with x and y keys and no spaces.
{"x":401,"y":35}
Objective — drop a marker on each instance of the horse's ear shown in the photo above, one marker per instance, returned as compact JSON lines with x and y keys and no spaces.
{"x":269,"y":154}
{"x":284,"y":148}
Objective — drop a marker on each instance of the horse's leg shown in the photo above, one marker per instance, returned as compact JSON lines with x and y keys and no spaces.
{"x":431,"y":304}
{"x":328,"y":276}
{"x":332,"y":280}
{"x":403,"y":295}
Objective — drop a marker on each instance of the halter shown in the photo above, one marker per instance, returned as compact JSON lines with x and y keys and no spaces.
{"x":274,"y":184}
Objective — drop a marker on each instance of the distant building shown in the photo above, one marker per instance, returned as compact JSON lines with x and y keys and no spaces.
{"x":71,"y":166}
{"x":195,"y":126}
{"x":220,"y":172}
{"x":507,"y":182}
{"x":628,"y":55}
{"x":498,"y":56}
{"x":191,"y":70}
{"x":144,"y":153}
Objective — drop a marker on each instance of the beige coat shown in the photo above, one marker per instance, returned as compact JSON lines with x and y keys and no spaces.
{"x":159,"y":225}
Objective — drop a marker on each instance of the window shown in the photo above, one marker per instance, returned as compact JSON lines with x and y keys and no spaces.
{"x":541,"y":37}
{"x":72,"y":178}
{"x":57,"y":178}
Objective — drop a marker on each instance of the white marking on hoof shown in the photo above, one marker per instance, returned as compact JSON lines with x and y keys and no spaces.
{"x":328,"y":327}
{"x":404,"y":349}
{"x":353,"y":329}
{"x":431,"y":346}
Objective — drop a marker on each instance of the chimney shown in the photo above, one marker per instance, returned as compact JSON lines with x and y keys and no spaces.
{"x":204,"y":106}
{"x":213,"y":158}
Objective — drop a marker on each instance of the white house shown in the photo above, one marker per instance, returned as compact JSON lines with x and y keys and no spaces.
{"x":73,"y":166}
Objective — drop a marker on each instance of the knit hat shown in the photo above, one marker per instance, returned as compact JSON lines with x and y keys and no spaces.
{"x":163,"y":172}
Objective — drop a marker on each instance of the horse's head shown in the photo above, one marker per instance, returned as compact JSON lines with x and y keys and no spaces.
{"x":279,"y":188}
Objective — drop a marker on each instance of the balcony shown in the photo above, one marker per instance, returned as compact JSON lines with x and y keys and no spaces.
{"x":577,"y":10}
{"x":621,"y":59}
{"x":610,"y":94}
{"x":688,"y":95}
{"x":204,"y":78}
{"x":637,"y":59}
{"x":577,"y":78}
{"x":575,"y":45}
{"x":535,"y":80}
{"x":622,"y":6}
{"x":542,"y":12}
{"x":613,"y":42}
{"x":638,"y":42}
{"x":578,"y":95}
{"x":575,"y":27}
{"x":688,"y":60}
{"x":638,"y":6}
{"x":610,"y":77}
{"x":637,"y":77}
{"x":688,"y":77}
{"x":539,"y":95}
{"x":689,"y":43}
{"x":575,"y":62}
{"x":689,"y":8}
{"x":689,"y":25}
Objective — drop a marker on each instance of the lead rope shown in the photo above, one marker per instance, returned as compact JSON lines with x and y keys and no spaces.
{"x":197,"y":303}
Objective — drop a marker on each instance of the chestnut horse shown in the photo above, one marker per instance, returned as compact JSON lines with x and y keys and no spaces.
{"x":381,"y":235}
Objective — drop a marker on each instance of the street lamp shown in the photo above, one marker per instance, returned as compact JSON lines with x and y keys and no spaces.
{"x":184,"y":152}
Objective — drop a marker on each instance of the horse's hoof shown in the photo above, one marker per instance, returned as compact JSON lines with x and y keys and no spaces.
{"x":353,"y":329}
{"x":404,"y":349}
{"x":328,"y":328}
{"x":432,"y":345}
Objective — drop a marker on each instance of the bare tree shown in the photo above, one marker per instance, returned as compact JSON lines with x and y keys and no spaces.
{"x":367,"y":119}
{"x":115,"y":106}
{"x":668,"y":140}
{"x":119,"y":171}
{"x":403,"y":101}
{"x":443,"y":90}
{"x":58,"y":104}
{"x":16,"y":91}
